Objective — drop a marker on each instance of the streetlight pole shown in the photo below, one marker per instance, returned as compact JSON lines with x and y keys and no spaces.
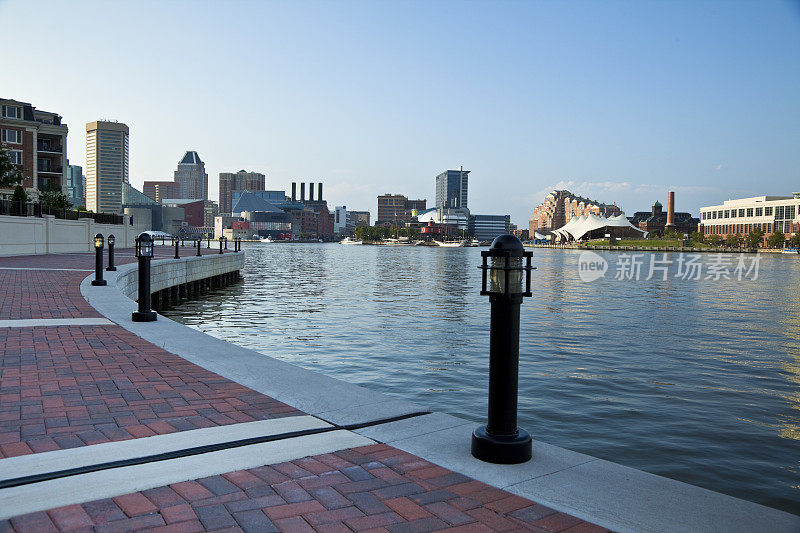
{"x":144,"y":253}
{"x":98,"y":261}
{"x":111,"y":267}
{"x":501,"y":440}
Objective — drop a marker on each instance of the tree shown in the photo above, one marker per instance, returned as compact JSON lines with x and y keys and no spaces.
{"x":714,"y":240}
{"x":53,"y":198}
{"x":696,"y":236}
{"x":795,"y":240}
{"x":754,"y":238}
{"x":10,"y":173}
{"x":734,"y":240}
{"x":776,"y":240}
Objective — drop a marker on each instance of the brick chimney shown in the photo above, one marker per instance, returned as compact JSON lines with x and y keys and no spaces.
{"x":319,"y":196}
{"x":311,"y":191}
{"x":671,"y":208}
{"x":302,"y":191}
{"x":294,"y":191}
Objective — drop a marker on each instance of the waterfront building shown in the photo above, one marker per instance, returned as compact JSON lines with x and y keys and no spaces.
{"x":487,"y":227}
{"x":591,"y":226}
{"x":191,"y":179}
{"x":273,"y":197}
{"x":158,"y":190}
{"x":452,"y":189}
{"x":37,"y":141}
{"x":193,"y":210}
{"x":107,"y":145}
{"x":657,"y":221}
{"x":275,"y":223}
{"x":76,"y":185}
{"x":745,"y":215}
{"x":396,"y":209}
{"x":231,"y":182}
{"x":340,"y":220}
{"x":456,"y":218}
{"x":357,"y":218}
{"x":560,"y":206}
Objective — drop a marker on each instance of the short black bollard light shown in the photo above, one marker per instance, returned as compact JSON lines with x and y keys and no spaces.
{"x":144,"y":253}
{"x":237,"y":244}
{"x":226,"y":242}
{"x":220,"y":244}
{"x":198,"y":247}
{"x":208,"y":241}
{"x":500,"y":440}
{"x":110,"y":240}
{"x":98,"y":261}
{"x":177,"y":254}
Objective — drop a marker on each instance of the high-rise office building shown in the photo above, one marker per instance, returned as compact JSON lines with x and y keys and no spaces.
{"x":107,"y":147}
{"x":237,"y":181}
{"x":37,"y":141}
{"x":451,"y":189}
{"x":191,"y":180}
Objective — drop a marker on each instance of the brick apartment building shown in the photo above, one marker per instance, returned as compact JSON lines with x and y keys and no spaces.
{"x":560,"y":206}
{"x":397,"y":209}
{"x":37,"y":141}
{"x":237,"y":181}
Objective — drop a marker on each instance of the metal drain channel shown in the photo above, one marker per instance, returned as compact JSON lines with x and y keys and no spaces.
{"x":197,"y":450}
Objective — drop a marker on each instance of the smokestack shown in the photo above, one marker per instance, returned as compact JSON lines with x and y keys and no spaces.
{"x":294,"y":191}
{"x":671,"y":208}
{"x":302,"y":191}
{"x":319,"y":196}
{"x":311,"y":191}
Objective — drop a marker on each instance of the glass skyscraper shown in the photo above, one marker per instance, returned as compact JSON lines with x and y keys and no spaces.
{"x":451,"y":189}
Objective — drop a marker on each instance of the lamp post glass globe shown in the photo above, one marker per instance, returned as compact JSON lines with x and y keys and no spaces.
{"x":497,"y":276}
{"x":98,"y":240}
{"x":111,"y":240}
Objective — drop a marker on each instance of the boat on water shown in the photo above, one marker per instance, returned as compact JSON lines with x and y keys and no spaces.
{"x":350,"y":240}
{"x":451,"y":244}
{"x":794,"y":251}
{"x":474,"y":243}
{"x":266,"y":239}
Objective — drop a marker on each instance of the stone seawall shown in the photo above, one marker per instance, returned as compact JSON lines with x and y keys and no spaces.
{"x":176,"y":278}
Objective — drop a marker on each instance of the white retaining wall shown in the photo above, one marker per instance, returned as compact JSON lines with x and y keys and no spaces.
{"x":166,"y":273}
{"x":50,"y":235}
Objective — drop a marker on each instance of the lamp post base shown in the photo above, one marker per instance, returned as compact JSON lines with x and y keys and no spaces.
{"x":111,"y":269}
{"x":148,"y":316}
{"x":99,"y":282}
{"x":504,"y":450}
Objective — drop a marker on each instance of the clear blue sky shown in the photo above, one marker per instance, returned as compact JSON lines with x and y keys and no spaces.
{"x":619,"y":101}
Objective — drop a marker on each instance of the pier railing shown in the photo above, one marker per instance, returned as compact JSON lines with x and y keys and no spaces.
{"x":35,"y":209}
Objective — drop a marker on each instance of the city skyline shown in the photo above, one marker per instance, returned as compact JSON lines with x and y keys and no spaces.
{"x":613,"y":101}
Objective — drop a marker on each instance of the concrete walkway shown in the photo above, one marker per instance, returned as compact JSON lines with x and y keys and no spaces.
{"x":125,"y":434}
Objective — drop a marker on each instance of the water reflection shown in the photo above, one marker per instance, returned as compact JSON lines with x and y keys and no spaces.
{"x":696,"y":380}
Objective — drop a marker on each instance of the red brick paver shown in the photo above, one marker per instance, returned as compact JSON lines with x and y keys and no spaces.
{"x":253,"y":500}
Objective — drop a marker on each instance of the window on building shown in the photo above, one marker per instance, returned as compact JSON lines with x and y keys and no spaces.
{"x":713,"y":214}
{"x":779,"y":212}
{"x":719,"y":214}
{"x":759,"y":211}
{"x":749,"y":211}
{"x":12,"y":136}
{"x":789,"y":212}
{"x":733,"y":213}
{"x":11,"y":111}
{"x":15,"y":156}
{"x":767,"y":211}
{"x":727,"y":214}
{"x":741,"y":213}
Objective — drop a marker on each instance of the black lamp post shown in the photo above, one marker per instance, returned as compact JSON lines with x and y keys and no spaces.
{"x":226,"y":242}
{"x":500,"y":440}
{"x":144,"y":251}
{"x":98,"y":261}
{"x":111,"y":267}
{"x":198,"y":246}
{"x":220,"y":244}
{"x":208,"y":241}
{"x":177,"y":254}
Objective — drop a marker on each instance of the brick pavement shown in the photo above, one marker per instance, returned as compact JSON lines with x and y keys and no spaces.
{"x":374,"y":488}
{"x":63,"y":387}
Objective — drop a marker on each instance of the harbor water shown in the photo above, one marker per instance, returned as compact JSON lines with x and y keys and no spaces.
{"x":693,"y":379}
